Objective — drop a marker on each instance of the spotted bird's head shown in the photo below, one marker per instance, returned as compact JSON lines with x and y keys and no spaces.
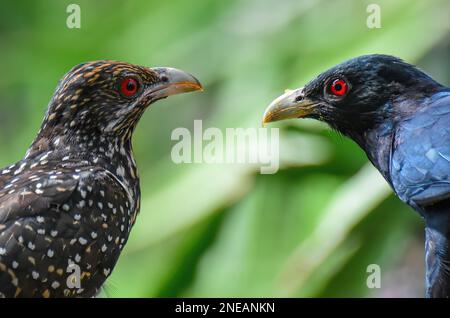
{"x":109,"y":97}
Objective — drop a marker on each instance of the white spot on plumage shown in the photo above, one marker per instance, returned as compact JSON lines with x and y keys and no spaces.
{"x":81,"y":204}
{"x":22,"y":166}
{"x":44,"y":156}
{"x":120,"y":171}
{"x":82,"y":241}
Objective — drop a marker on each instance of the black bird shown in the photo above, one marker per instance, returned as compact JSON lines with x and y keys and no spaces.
{"x":67,"y":208}
{"x":400,"y":117}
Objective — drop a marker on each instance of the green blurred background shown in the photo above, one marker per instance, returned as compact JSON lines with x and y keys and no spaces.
{"x":310,"y":230}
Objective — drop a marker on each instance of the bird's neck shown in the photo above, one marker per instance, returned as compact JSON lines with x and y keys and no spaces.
{"x":377,"y":143}
{"x":111,"y":152}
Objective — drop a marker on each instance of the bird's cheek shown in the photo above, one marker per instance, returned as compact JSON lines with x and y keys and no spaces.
{"x":145,"y":101}
{"x":316,"y":112}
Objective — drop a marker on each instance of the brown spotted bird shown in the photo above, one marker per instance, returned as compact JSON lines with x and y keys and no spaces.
{"x":67,"y":208}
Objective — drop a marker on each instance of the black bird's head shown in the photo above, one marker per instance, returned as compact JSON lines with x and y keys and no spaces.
{"x":108,"y":98}
{"x":354,"y":96}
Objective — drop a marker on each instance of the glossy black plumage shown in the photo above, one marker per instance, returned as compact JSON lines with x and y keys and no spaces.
{"x":400,"y":117}
{"x":67,"y":208}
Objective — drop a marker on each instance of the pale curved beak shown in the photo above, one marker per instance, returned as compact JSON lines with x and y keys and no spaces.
{"x":174,"y":81}
{"x":292,"y":104}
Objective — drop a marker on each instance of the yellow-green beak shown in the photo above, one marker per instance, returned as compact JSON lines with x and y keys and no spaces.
{"x":292,"y":104}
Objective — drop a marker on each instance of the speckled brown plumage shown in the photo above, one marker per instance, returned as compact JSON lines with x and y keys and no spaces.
{"x":74,"y":197}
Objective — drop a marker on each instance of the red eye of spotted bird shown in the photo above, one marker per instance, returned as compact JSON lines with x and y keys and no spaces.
{"x":339,"y":87}
{"x":129,"y":87}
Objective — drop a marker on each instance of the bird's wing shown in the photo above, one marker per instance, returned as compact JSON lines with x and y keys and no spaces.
{"x":32,"y":193}
{"x":38,"y":221}
{"x":420,"y":165}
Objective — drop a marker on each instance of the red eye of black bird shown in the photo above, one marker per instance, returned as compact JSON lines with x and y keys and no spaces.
{"x":339,"y":87}
{"x":129,"y":87}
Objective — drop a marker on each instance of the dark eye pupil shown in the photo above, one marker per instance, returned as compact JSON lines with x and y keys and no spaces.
{"x":131,"y":86}
{"x":338,"y":87}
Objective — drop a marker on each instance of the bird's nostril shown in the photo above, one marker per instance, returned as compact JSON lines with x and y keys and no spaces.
{"x":299,"y":98}
{"x":164,"y":78}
